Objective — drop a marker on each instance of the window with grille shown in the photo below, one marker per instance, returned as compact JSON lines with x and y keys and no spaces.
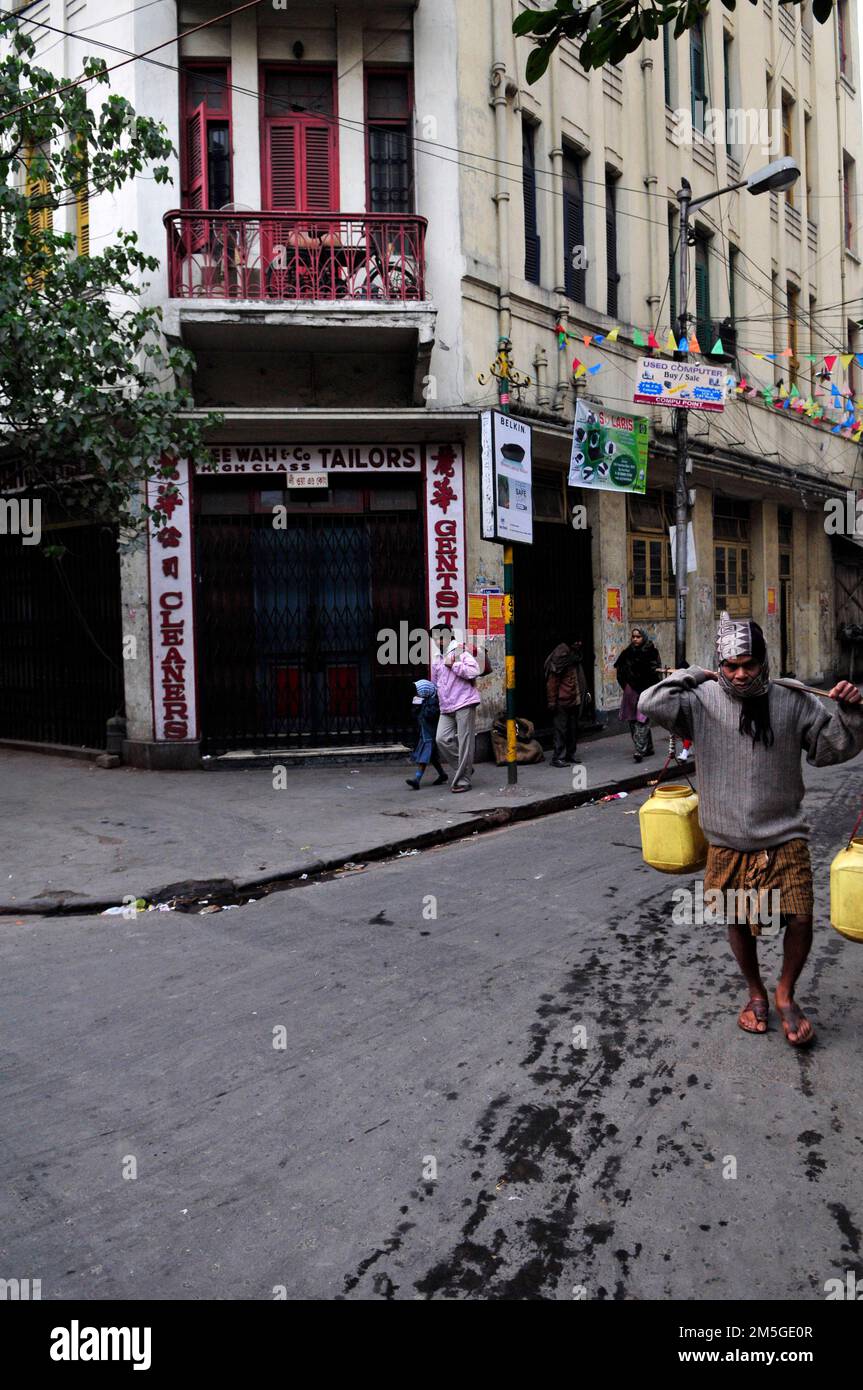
{"x":575,"y":255}
{"x":206,"y":161}
{"x":651,"y":577}
{"x":731,"y":559}
{"x":528,"y":183}
{"x":389,"y":144}
{"x":785,"y":524}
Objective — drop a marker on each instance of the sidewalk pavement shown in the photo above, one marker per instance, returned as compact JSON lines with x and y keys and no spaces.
{"x":78,"y":836}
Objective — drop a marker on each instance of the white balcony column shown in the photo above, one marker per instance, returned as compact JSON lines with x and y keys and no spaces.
{"x":351,"y":112}
{"x":245,"y":111}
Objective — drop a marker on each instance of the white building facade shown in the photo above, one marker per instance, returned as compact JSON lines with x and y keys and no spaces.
{"x":367,"y":198}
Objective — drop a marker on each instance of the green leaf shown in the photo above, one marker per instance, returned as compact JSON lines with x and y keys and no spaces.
{"x":538,"y":61}
{"x":822,"y":10}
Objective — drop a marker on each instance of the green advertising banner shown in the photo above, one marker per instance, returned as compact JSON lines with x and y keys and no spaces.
{"x":609,"y":450}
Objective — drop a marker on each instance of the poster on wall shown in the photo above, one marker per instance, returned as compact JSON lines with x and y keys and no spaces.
{"x":609,"y":450}
{"x":506,"y":501}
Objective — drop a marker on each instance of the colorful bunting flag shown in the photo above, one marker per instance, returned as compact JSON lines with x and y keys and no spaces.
{"x":651,"y":341}
{"x":845,"y":358}
{"x":830,"y":362}
{"x":694,"y":345}
{"x":594,"y":369}
{"x":637,"y":338}
{"x":612,"y":336}
{"x":671,"y":343}
{"x":717,"y":349}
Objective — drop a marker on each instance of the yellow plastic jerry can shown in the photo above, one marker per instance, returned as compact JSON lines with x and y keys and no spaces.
{"x":846,"y":891}
{"x":671,"y":836}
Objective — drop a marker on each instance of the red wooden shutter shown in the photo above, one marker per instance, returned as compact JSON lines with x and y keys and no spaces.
{"x":318,"y":169}
{"x":281,"y":190}
{"x":196,"y":158}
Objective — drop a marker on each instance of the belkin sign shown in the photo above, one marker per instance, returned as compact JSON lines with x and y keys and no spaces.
{"x":316,"y":458}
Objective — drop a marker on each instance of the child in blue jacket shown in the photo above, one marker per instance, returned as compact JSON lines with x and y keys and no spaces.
{"x":427,"y":712}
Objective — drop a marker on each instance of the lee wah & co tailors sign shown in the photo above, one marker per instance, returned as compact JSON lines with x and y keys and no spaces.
{"x":317,"y":458}
{"x":506,"y":502}
{"x":171,"y":615}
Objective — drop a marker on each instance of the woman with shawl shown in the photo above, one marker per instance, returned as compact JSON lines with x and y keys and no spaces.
{"x":638,"y":667}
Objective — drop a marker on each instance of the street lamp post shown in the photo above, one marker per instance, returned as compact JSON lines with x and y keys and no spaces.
{"x":774,"y":177}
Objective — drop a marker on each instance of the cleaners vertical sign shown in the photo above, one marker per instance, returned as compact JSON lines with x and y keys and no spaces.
{"x":172,"y":634}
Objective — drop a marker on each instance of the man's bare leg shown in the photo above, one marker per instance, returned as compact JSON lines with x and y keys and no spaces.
{"x":796,"y":948}
{"x":745,"y":948}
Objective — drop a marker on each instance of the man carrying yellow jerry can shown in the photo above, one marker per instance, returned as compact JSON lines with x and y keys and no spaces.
{"x":750,"y":733}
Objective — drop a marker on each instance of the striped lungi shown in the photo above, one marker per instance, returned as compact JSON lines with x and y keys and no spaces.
{"x":786,"y":869}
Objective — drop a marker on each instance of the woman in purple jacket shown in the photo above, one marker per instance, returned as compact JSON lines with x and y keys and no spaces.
{"x":455,"y":675}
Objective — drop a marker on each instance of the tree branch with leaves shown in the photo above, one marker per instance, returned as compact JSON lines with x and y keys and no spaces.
{"x":91,"y":396}
{"x":610,"y":29}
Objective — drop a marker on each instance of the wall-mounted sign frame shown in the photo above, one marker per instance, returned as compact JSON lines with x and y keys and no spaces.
{"x":506,"y":497}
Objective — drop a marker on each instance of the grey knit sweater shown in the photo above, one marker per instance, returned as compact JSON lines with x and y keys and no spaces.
{"x":750,"y":797}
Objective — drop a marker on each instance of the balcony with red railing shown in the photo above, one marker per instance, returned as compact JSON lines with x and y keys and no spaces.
{"x":279,"y":258}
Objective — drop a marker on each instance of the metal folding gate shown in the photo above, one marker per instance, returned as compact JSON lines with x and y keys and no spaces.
{"x":288,"y":624}
{"x":61,"y":667}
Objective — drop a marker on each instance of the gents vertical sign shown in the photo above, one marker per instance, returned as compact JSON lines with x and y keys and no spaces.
{"x":506,"y":485}
{"x":172,"y":634}
{"x":444,"y":482}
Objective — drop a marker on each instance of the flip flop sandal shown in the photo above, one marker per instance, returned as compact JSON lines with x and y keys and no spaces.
{"x":791,"y":1016}
{"x":761,"y":1009}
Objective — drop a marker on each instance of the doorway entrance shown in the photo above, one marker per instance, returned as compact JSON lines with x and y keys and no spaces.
{"x":288,"y":616}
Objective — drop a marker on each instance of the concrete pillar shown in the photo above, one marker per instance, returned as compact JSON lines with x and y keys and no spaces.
{"x":245,"y":111}
{"x":799,"y":592}
{"x":135,"y":609}
{"x":766,"y":576}
{"x":606,"y":517}
{"x":351,"y":110}
{"x":700,"y":613}
{"x":821,"y":605}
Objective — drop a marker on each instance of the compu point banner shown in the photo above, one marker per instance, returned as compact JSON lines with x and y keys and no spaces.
{"x":609,"y":450}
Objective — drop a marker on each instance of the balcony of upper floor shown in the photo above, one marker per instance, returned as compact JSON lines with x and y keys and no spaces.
{"x":319,"y":285}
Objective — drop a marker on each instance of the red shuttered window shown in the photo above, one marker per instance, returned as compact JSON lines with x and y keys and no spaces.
{"x":299,"y":145}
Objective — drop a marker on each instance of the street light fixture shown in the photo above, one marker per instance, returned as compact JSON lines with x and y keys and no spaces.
{"x":774,"y":177}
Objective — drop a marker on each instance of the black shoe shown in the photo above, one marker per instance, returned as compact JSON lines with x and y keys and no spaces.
{"x":413,"y":784}
{"x":440,"y":780}
{"x":636,"y":757}
{"x":575,"y":760}
{"x":558,"y":762}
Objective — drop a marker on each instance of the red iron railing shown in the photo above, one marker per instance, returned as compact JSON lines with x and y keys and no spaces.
{"x":274,"y":256}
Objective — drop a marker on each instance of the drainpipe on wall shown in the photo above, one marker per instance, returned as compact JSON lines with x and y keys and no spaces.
{"x":650,"y":182}
{"x":841,"y":174}
{"x":561,"y":392}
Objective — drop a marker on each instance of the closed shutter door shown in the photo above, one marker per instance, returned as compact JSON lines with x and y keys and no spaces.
{"x":531,"y":238}
{"x":573,"y":240}
{"x":611,"y":247}
{"x":318,"y":169}
{"x":195,"y":193}
{"x":281,"y":183}
{"x":702,"y":293}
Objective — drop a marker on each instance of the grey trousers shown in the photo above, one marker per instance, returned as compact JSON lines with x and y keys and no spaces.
{"x":455,"y":734}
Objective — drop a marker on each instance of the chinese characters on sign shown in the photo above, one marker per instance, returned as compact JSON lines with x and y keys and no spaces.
{"x":171,"y":616}
{"x":447,"y":601}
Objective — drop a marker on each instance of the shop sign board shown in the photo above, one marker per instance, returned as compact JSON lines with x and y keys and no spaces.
{"x":506,"y":478}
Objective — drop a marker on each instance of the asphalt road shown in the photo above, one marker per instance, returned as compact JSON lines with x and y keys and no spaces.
{"x":430,"y":1130}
